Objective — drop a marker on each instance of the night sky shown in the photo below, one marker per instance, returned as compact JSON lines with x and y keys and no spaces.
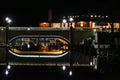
{"x":30,"y":13}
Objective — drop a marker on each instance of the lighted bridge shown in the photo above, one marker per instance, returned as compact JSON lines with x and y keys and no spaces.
{"x":45,"y":46}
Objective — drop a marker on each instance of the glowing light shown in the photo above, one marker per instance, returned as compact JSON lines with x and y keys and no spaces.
{"x":28,"y":29}
{"x":63,"y":68}
{"x":91,"y":63}
{"x":64,"y":20}
{"x":28,"y":45}
{"x":71,"y":19}
{"x":40,"y":56}
{"x":44,"y":23}
{"x":81,"y":24}
{"x":8,"y":20}
{"x":95,"y":67}
{"x":95,"y":15}
{"x":91,"y":16}
{"x":106,"y":16}
{"x":70,"y":73}
{"x":6,"y":72}
{"x":2,"y":29}
{"x":8,"y":67}
{"x":36,"y":55}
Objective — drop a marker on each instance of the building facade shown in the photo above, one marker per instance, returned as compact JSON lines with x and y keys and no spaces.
{"x":98,"y":22}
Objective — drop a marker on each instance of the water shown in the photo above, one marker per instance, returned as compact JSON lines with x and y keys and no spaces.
{"x":55,"y":73}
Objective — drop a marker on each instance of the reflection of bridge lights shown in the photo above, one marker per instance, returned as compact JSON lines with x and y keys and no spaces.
{"x":2,"y":29}
{"x":28,"y":29}
{"x":70,"y":73}
{"x":91,"y":63}
{"x":63,"y":68}
{"x":95,"y":67}
{"x":28,"y":50}
{"x":8,"y":67}
{"x":6,"y":72}
{"x":40,"y":56}
{"x":28,"y":45}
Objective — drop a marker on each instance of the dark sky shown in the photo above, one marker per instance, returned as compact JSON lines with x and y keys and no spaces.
{"x":31,"y":12}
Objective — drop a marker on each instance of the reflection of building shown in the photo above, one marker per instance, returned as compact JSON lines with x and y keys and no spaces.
{"x":39,"y":45}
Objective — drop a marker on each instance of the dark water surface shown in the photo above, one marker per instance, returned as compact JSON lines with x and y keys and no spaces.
{"x":56,"y":73}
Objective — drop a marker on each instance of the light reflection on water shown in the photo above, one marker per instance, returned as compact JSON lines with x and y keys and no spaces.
{"x":56,"y":73}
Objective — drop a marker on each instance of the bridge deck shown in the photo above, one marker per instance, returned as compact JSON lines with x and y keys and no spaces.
{"x":49,"y":64}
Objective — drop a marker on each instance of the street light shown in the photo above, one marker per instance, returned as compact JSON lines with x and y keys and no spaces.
{"x":71,"y":41}
{"x":8,"y":21}
{"x":71,"y":20}
{"x":64,"y":21}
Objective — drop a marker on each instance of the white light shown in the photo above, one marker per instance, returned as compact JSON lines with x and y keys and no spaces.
{"x":64,"y":20}
{"x":91,"y":16}
{"x":95,"y":67}
{"x":28,"y":45}
{"x":28,"y":29}
{"x":63,"y":68}
{"x":95,"y":63}
{"x":106,"y":16}
{"x":8,"y":20}
{"x":2,"y":29}
{"x":70,"y":73}
{"x":6,"y":72}
{"x":91,"y":63}
{"x":8,"y":67}
{"x":71,"y":19}
{"x":94,"y":30}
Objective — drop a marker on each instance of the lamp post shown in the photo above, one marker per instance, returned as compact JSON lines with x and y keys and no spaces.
{"x":64,"y":21}
{"x":71,"y":20}
{"x":71,"y":41}
{"x":8,"y":21}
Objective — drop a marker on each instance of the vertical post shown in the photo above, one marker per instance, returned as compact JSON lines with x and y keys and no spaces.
{"x":71,"y":42}
{"x":6,"y":44}
{"x":64,"y":21}
{"x":71,"y":46}
{"x":8,"y":21}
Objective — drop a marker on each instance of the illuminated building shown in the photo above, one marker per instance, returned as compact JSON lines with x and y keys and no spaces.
{"x":97,"y":22}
